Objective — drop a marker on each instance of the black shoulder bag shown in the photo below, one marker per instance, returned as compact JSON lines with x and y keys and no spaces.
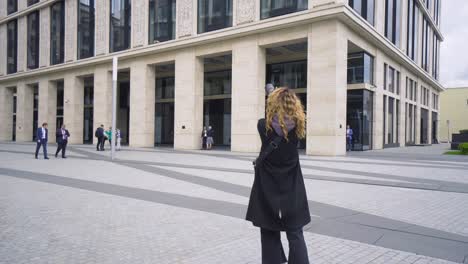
{"x":274,"y":144}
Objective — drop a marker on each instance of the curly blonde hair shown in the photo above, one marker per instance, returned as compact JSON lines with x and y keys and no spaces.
{"x":284,"y":103}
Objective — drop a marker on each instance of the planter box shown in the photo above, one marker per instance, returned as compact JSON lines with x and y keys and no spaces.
{"x":457,"y":139}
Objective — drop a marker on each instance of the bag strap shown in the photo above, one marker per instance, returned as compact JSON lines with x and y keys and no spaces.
{"x":274,"y":144}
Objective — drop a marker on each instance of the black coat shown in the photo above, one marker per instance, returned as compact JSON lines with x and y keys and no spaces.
{"x":279,"y":186}
{"x":59,"y":136}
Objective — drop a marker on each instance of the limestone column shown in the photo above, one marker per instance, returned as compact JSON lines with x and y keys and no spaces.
{"x":71,"y":8}
{"x":142,"y":100}
{"x":245,"y":11}
{"x":102,"y":97}
{"x":47,"y":111}
{"x":22,"y":43}
{"x":379,"y":18}
{"x":248,"y":94}
{"x":185,"y":18}
{"x":3,"y":50}
{"x":418,"y":124}
{"x":6,"y":113}
{"x":377,"y":131}
{"x":140,"y":21}
{"x":188,"y":100}
{"x":24,"y":113}
{"x":402,"y":127}
{"x":74,"y":108}
{"x":3,"y":9}
{"x":327,"y":89}
{"x":44,"y":36}
{"x":102,"y":27}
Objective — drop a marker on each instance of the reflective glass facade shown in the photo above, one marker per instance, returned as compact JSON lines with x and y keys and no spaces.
{"x":57,"y":33}
{"x":32,"y":2}
{"x":273,"y":8}
{"x":33,"y":40}
{"x":162,"y":20}
{"x":360,"y":68}
{"x":365,"y":8}
{"x":214,"y":15}
{"x":86,"y":24}
{"x":12,"y":46}
{"x":120,"y":25}
{"x":360,"y":109}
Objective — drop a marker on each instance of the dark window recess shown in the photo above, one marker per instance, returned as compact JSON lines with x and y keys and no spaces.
{"x":12,"y":46}
{"x":365,"y":8}
{"x":412,"y":29}
{"x":393,"y":21}
{"x":33,"y":40}
{"x":60,"y":103}
{"x":86,"y":23}
{"x":360,"y":68}
{"x":360,"y":118}
{"x":57,"y":33}
{"x":289,"y":74}
{"x":32,"y":2}
{"x":120,"y":25}
{"x":165,"y":88}
{"x":162,"y":20}
{"x":214,"y":15}
{"x":12,"y":6}
{"x":274,"y":8}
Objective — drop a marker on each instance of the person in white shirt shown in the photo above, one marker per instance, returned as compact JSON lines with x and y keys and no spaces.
{"x":42,"y":137}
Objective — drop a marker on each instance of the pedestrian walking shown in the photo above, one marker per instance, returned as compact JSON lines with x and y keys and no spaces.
{"x":278,"y":200}
{"x":62,"y":136}
{"x":42,"y":135}
{"x":101,"y":138}
{"x":209,"y":138}
{"x":118,"y":139}
{"x":204,"y":137}
{"x":108,"y":134}
{"x":349,"y":138}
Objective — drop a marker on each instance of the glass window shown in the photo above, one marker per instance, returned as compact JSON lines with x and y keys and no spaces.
{"x":12,"y":6}
{"x":273,"y":8}
{"x":217,"y":83}
{"x":120,"y":25}
{"x":165,"y":88}
{"x":359,"y":118}
{"x":365,"y":8}
{"x":57,"y":33}
{"x":412,"y":29}
{"x":86,"y":20}
{"x":12,"y":46}
{"x":392,"y":21}
{"x":425,"y":43}
{"x":33,"y":40}
{"x":289,"y":74}
{"x":162,"y":20}
{"x":214,"y":15}
{"x":32,"y":2}
{"x":360,"y":68}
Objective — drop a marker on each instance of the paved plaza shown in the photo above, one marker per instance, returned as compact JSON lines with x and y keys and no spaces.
{"x":406,"y":205}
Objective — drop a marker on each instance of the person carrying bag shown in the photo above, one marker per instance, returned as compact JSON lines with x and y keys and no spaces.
{"x":278,"y":200}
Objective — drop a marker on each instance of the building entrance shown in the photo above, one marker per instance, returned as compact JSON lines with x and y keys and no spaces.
{"x":123,"y":106}
{"x":287,"y":67}
{"x":359,"y":118}
{"x":164,"y":108}
{"x":88,"y":101}
{"x":424,"y":126}
{"x":217,"y":98}
{"x":434,"y":128}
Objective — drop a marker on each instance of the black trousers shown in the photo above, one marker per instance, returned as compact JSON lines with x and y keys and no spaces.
{"x":272,"y":249}
{"x":100,"y":143}
{"x":61,"y":146}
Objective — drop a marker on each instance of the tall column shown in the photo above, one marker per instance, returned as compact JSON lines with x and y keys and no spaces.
{"x":188,"y":100}
{"x":47,"y":111}
{"x":102,"y":110}
{"x":326,"y":90}
{"x":380,"y":16}
{"x":71,"y":8}
{"x":142,"y":100}
{"x":185,"y":15}
{"x":418,"y":124}
{"x":3,"y":50}
{"x":402,"y":116}
{"x":102,"y":27}
{"x":140,"y":16}
{"x":24,"y":113}
{"x":44,"y":36}
{"x":248,"y":95}
{"x":6,"y":113}
{"x":245,"y":11}
{"x":3,"y":9}
{"x":22,"y":43}
{"x":74,"y":108}
{"x":377,"y":131}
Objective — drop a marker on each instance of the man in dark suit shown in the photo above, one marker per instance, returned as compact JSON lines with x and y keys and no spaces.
{"x":100,"y":136}
{"x":42,"y":138}
{"x":62,"y":135}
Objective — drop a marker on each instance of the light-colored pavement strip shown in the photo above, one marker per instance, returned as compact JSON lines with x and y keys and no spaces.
{"x":88,"y":210}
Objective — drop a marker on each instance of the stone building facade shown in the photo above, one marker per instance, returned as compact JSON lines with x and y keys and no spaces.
{"x":185,"y":64}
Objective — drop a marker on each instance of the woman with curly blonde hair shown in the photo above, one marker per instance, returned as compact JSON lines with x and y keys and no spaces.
{"x":278,"y":201}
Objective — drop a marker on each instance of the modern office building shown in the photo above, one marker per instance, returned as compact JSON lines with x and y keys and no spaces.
{"x":183,"y":64}
{"x":453,"y":112}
